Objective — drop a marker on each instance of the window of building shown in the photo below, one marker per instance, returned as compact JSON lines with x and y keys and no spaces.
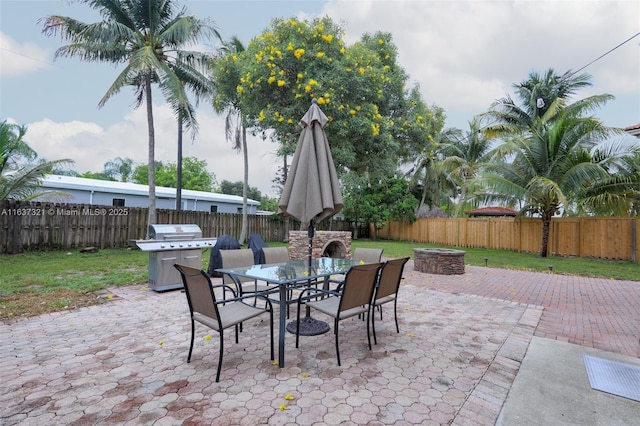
{"x":214,"y":209}
{"x":118,"y":202}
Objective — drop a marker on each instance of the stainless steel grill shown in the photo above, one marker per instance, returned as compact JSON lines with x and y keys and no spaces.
{"x":169,"y":244}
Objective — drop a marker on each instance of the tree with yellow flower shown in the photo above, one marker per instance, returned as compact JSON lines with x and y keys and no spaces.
{"x":361,"y":88}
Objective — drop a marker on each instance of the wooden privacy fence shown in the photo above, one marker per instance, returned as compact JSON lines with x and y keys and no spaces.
{"x":31,"y":226}
{"x":598,"y":237}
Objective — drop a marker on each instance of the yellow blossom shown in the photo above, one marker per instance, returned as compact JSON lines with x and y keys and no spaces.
{"x":342,"y":50}
{"x":281,"y":83}
{"x":275,"y":362}
{"x":320,"y":54}
{"x":328,"y":38}
{"x":288,"y":397}
{"x":290,"y":46}
{"x":261,"y":116}
{"x":240,"y":89}
{"x":352,"y":112}
{"x":234,"y":57}
{"x":281,"y":119}
{"x":298,"y":53}
{"x":207,"y":337}
{"x":160,"y":342}
{"x":283,"y":407}
{"x":271,"y":79}
{"x":307,"y":88}
{"x":299,"y":75}
{"x":361,"y":70}
{"x":290,"y":121}
{"x":321,"y":101}
{"x":380,"y":41}
{"x":304,"y":375}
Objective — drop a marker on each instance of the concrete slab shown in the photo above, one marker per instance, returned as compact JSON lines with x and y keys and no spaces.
{"x":552,"y":388}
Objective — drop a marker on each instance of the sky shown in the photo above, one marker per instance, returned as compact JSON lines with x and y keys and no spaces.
{"x":464,"y":54}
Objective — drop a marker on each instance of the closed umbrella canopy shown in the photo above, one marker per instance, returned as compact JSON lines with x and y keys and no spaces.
{"x":312,"y":192}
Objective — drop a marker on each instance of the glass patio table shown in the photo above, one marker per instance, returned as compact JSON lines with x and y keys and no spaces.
{"x":287,"y":276}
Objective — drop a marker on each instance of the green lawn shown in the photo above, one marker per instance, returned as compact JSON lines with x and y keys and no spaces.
{"x":48,"y":281}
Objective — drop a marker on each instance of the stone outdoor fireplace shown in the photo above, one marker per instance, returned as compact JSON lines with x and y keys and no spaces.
{"x":325,"y":244}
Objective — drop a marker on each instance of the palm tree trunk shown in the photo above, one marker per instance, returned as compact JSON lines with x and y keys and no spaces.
{"x":245,"y":184}
{"x":179,"y":168}
{"x":546,"y":225}
{"x":152,"y":160}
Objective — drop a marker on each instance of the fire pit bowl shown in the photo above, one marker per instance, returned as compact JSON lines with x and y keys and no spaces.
{"x":438,"y":261}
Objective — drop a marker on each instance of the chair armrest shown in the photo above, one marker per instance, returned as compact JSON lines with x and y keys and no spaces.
{"x":241,"y":298}
{"x":225,"y":286}
{"x":318,"y":290}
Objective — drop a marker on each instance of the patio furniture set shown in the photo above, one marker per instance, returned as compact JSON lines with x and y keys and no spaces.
{"x":365,"y":284}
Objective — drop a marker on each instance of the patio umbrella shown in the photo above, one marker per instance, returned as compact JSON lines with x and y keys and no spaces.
{"x":311,"y":192}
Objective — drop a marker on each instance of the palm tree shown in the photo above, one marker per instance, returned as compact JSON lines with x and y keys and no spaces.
{"x":463,"y":157}
{"x":20,"y":174}
{"x":148,"y":36}
{"x":429,"y":176}
{"x":236,"y":133}
{"x":547,"y":159}
{"x":120,"y":167}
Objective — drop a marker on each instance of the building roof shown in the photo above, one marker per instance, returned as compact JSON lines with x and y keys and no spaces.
{"x":492,"y":211}
{"x":97,"y":185}
{"x":633,"y":130}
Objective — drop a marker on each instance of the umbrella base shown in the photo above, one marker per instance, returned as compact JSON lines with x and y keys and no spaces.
{"x":309,"y":327}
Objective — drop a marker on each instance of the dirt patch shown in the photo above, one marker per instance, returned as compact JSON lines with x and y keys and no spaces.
{"x":30,"y":304}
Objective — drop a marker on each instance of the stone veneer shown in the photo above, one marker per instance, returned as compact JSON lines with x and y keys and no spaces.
{"x":438,"y":261}
{"x":325,"y":244}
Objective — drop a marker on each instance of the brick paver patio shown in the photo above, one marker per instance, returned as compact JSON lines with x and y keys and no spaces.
{"x":462,"y":339}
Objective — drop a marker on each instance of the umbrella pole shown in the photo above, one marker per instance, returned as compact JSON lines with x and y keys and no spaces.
{"x":309,"y":326}
{"x":310,"y":233}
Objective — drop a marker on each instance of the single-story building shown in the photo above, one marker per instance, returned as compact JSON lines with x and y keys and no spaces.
{"x":633,"y":130}
{"x":492,"y":212}
{"x":127,"y":194}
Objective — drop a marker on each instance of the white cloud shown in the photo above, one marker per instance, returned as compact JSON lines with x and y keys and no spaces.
{"x":467,"y":54}
{"x":19,"y":58}
{"x":90,"y":145}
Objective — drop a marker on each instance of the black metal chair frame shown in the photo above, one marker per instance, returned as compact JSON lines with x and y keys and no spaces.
{"x":355,"y":296}
{"x":387,"y":290}
{"x":207,"y":312}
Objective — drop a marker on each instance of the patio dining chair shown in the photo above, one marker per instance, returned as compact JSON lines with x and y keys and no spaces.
{"x":237,"y":258}
{"x":218,"y":314}
{"x":367,"y":255}
{"x":360,"y":256}
{"x":353,"y":299}
{"x":387,"y":290}
{"x":275,"y":255}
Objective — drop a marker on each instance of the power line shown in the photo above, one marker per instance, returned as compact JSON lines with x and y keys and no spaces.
{"x":25,"y":56}
{"x":606,"y":53}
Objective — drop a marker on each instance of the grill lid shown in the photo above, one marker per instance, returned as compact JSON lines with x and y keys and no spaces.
{"x":174,"y":231}
{"x":165,"y":245}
